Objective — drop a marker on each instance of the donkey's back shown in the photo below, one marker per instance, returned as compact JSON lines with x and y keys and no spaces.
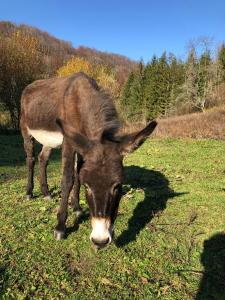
{"x":44,"y":101}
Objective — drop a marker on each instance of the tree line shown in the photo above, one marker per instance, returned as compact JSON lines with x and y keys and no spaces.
{"x":168,"y":86}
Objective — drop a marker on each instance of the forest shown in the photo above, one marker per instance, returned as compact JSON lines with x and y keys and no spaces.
{"x":165,"y":86}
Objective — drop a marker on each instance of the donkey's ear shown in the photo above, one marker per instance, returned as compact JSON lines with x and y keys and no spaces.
{"x":132,"y":141}
{"x":79,"y":141}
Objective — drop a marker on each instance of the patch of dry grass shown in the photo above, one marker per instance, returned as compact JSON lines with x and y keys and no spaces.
{"x":210,"y":124}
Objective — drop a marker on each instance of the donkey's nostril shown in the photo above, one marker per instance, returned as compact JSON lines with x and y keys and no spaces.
{"x":100,"y":243}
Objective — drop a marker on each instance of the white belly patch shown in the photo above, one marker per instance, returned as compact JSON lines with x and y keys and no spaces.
{"x":52,"y":139}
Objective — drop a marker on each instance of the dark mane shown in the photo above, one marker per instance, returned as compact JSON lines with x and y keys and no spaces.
{"x":98,"y":109}
{"x":105,"y":116}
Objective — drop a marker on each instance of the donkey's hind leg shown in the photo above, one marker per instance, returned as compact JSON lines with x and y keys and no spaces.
{"x":30,"y":161}
{"x":43,"y":162}
{"x":75,"y":197}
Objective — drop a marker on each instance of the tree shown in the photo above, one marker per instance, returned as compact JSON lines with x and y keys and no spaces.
{"x":133,"y":105}
{"x":177,"y":75}
{"x":203,"y":80}
{"x":189,"y":91}
{"x":151,"y":88}
{"x":20,"y":64}
{"x":157,"y":86}
{"x":221,"y":60}
{"x":103,"y":74}
{"x":148,"y":92}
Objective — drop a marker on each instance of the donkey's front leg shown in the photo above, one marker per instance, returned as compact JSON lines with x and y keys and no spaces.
{"x":75,"y":197}
{"x":67,"y":184}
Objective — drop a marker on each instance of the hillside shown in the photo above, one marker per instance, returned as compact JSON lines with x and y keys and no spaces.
{"x":210,"y":124}
{"x":207,"y":125}
{"x":59,"y":50}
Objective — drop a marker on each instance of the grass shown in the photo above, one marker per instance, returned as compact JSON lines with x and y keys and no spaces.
{"x":169,"y":239}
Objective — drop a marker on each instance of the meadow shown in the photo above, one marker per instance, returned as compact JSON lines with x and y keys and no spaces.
{"x":169,"y":235}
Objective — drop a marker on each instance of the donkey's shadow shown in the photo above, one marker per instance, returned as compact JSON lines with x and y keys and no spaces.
{"x":212,"y":285}
{"x":156,"y":193}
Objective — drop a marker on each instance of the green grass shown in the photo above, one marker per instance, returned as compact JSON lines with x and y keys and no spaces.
{"x":169,"y":241}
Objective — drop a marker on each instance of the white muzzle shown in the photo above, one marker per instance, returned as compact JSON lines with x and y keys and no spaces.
{"x":101,"y":234}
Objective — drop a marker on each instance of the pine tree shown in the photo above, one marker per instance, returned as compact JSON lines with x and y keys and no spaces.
{"x":125,"y":102}
{"x":157,"y":86}
{"x":221,"y":60}
{"x":151,"y":89}
{"x":132,"y":102}
{"x":163,"y":84}
{"x":177,"y":75}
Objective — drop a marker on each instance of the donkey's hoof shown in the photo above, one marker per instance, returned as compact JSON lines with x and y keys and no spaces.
{"x":48,"y":197}
{"x":78,"y":212}
{"x":59,"y":235}
{"x":28,"y":197}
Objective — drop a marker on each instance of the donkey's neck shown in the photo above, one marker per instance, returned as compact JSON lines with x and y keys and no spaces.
{"x":99,"y":115}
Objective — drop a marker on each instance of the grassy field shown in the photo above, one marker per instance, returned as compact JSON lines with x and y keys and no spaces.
{"x":169,"y":237}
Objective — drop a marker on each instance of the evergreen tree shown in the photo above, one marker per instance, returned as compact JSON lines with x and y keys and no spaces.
{"x":151,"y":89}
{"x":132,"y":102}
{"x":177,"y":75}
{"x":167,"y":85}
{"x":203,"y":80}
{"x":163,"y":84}
{"x":126,"y":93}
{"x":221,"y":60}
{"x":157,"y":86}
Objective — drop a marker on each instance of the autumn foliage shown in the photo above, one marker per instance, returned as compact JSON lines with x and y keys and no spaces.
{"x":103,"y":74}
{"x":20,"y":64}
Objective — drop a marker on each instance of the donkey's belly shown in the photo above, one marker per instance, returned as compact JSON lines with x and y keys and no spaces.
{"x":52,"y":139}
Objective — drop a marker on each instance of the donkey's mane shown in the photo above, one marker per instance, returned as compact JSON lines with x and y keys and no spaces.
{"x":100,"y":113}
{"x":107,"y":117}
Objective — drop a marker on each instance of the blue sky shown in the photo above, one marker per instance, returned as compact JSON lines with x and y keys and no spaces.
{"x":135,"y":28}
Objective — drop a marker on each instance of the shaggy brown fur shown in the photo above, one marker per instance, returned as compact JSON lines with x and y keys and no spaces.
{"x":70,"y":99}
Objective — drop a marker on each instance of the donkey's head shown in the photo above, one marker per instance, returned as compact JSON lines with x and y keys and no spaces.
{"x":102,"y":175}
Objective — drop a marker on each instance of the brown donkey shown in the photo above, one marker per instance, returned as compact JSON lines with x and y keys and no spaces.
{"x":74,"y":113}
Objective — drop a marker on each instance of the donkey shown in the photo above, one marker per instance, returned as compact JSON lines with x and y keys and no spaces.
{"x":75,"y":114}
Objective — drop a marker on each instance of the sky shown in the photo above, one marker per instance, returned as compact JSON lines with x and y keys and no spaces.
{"x":134,"y":28}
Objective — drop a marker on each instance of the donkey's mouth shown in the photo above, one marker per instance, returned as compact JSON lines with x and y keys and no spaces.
{"x":100,"y":244}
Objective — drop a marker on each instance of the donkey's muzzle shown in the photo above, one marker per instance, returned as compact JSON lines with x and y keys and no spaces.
{"x":101,"y":233}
